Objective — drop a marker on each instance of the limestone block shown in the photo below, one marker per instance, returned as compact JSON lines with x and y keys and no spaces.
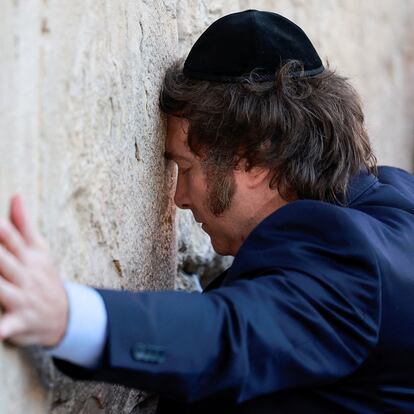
{"x":82,"y":138}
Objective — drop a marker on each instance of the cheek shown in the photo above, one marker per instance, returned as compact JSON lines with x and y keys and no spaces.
{"x":196,"y":185}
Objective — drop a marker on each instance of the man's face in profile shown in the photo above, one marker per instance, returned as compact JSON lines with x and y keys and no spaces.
{"x":202,"y":192}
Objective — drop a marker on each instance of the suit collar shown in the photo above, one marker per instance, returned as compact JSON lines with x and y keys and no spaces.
{"x":357,"y":187}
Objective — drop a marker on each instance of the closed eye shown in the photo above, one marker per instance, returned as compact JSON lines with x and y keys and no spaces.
{"x":183,"y":171}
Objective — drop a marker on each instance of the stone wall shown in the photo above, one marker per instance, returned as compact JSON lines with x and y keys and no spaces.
{"x":82,"y":139}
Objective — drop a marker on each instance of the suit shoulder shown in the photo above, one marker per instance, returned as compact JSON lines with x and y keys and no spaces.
{"x":400,"y":180}
{"x":306,"y":232}
{"x":314,"y":217}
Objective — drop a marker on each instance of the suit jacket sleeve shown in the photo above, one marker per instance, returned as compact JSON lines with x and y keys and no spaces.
{"x":304,"y":311}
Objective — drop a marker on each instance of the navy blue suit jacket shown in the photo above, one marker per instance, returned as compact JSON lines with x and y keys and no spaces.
{"x":316,"y":315}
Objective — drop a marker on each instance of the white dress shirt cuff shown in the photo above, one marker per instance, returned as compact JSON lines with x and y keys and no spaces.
{"x":85,"y":335}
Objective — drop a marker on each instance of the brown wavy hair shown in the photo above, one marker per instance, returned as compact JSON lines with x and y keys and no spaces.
{"x":308,"y":131}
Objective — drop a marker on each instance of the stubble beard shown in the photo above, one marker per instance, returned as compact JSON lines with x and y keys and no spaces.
{"x":221,"y":188}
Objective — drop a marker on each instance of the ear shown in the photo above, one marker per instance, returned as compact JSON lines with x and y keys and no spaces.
{"x":253,"y":176}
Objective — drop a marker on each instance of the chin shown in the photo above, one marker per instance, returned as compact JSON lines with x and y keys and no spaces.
{"x":220,"y":248}
{"x":220,"y":244}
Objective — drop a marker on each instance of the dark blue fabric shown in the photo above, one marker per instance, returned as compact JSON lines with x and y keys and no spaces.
{"x":316,"y":315}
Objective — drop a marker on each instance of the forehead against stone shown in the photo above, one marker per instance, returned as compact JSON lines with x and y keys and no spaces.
{"x":176,"y":145}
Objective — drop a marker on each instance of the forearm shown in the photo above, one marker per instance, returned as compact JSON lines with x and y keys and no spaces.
{"x":238,"y":342}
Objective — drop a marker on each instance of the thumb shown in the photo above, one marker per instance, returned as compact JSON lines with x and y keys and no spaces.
{"x":10,"y":325}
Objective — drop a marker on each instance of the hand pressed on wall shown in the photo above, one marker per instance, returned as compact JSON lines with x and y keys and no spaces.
{"x":32,"y":296}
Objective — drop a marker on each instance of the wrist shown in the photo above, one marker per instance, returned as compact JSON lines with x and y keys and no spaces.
{"x":61,"y":321}
{"x":85,"y":334}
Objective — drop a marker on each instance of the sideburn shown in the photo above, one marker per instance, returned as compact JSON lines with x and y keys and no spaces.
{"x":221,"y":189}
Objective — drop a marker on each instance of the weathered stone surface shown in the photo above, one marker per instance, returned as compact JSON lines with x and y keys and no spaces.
{"x":82,"y":139}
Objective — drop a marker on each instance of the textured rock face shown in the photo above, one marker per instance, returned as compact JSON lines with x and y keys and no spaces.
{"x":82,"y":139}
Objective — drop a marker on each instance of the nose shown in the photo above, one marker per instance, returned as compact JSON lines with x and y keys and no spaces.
{"x":181,"y":198}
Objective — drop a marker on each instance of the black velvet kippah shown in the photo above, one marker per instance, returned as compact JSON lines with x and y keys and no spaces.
{"x":238,"y":43}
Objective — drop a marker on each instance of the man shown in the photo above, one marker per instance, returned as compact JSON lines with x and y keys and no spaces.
{"x":316,"y":313}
